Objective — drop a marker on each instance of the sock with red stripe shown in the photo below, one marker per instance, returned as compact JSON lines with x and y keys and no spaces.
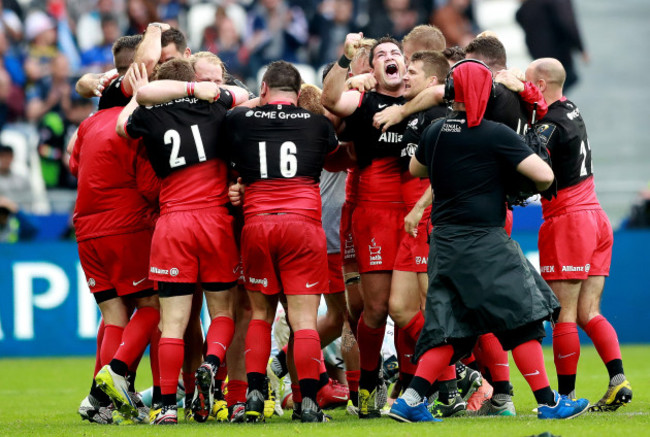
{"x":135,"y":338}
{"x":100,"y":338}
{"x":307,"y":353}
{"x":258,"y":350}
{"x":170,"y":357}
{"x":370,"y":341}
{"x":414,"y":327}
{"x":530,"y":362}
{"x":110,"y":343}
{"x":430,"y":367}
{"x":566,"y":353}
{"x":495,"y":360}
{"x":154,"y":358}
{"x":218,"y":339}
{"x":605,"y":340}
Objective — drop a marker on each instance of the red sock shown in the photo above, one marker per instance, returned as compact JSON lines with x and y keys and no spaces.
{"x":154,"y":356}
{"x":414,"y":327}
{"x":566,"y":348}
{"x":448,"y":374}
{"x":285,"y":349}
{"x":495,"y":359}
{"x":530,"y":362}
{"x":110,"y":343}
{"x":170,"y":358}
{"x":295,"y":392}
{"x":307,"y":353}
{"x":322,"y":368}
{"x":469,"y":360}
{"x":258,"y":346}
{"x":219,"y":337}
{"x":236,"y":391}
{"x":189,"y":381}
{"x":137,"y":335}
{"x":433,"y":362}
{"x":370,"y":341}
{"x":604,"y":337}
{"x":100,"y":338}
{"x":405,"y":346}
{"x":353,"y":379}
{"x":222,"y":372}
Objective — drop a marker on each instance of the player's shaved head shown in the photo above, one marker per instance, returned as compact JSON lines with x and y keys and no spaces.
{"x":175,"y":69}
{"x":282,"y":76}
{"x":309,"y":99}
{"x":549,"y":69}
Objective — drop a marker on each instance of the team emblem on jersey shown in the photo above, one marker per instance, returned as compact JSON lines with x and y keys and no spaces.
{"x":375,"y":254}
{"x":250,"y":113}
{"x":413,"y":124}
{"x":91,"y":282}
{"x":544,"y":131}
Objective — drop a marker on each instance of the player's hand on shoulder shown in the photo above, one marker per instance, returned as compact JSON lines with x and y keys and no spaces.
{"x":209,"y":91}
{"x":361,"y":82}
{"x":510,"y":79}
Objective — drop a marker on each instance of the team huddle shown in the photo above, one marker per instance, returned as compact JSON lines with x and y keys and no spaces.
{"x":388,"y":193}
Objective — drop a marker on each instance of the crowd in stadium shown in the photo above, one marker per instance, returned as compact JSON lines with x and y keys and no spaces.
{"x":389,"y":192}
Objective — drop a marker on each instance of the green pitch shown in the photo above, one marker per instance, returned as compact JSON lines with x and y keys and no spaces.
{"x":41,"y":397}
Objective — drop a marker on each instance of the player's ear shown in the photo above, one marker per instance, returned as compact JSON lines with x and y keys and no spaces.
{"x":263,"y":89}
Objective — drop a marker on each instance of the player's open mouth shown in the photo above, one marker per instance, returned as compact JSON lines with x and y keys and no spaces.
{"x":391,"y":69}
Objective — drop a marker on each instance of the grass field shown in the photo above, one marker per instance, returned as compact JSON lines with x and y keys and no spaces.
{"x":41,"y":397}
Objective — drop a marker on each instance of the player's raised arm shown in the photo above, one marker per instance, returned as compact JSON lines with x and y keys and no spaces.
{"x":336,"y":98}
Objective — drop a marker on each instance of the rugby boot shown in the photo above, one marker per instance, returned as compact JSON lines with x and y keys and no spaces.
{"x":616,"y":396}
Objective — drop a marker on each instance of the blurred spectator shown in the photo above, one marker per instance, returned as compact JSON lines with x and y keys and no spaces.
{"x":12,"y":79}
{"x":276,"y":31}
{"x":40,"y":32}
{"x":10,"y":23}
{"x":335,"y":19}
{"x":552,"y":32}
{"x":396,"y":18}
{"x":454,"y":23}
{"x":170,"y":11}
{"x":100,"y":57}
{"x":140,"y":14}
{"x":53,"y":104}
{"x":14,"y":224}
{"x":13,"y":185}
{"x":89,"y":27}
{"x":222,"y":39}
{"x":640,"y":212}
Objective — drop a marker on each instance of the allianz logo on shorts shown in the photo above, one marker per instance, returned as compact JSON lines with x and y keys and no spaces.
{"x":262,"y":281}
{"x":375,"y":254}
{"x":586,"y":268}
{"x":171,"y":272}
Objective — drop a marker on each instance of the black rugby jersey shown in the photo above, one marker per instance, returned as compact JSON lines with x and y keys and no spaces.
{"x":113,"y":95}
{"x":182,"y":132}
{"x":416,"y":126}
{"x":505,"y":106}
{"x":371,"y":143}
{"x":564,"y":132}
{"x":279,"y":141}
{"x":469,"y":169}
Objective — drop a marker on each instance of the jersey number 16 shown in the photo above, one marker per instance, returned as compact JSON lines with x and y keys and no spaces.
{"x":288,"y":160}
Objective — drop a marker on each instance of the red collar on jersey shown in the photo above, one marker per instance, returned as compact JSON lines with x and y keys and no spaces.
{"x":281,"y":102}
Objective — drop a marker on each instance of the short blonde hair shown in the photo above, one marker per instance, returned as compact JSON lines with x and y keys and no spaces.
{"x":309,"y":99}
{"x":210,"y":57}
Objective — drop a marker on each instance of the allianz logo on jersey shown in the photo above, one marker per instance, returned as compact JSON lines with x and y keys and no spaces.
{"x":390,"y":137}
{"x":273,"y":115}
